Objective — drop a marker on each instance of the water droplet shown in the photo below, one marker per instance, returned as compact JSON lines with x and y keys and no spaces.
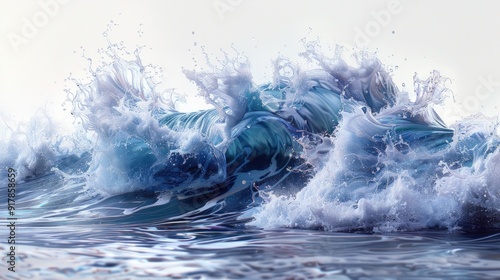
{"x":403,"y":84}
{"x":244,"y":182}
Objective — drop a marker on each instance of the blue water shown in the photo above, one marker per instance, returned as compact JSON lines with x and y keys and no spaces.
{"x":327,"y":170}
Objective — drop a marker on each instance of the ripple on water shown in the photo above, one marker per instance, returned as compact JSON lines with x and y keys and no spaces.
{"x":233,"y":254}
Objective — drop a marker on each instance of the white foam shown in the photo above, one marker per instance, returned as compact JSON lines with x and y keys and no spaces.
{"x":342,"y":198}
{"x":130,"y":146}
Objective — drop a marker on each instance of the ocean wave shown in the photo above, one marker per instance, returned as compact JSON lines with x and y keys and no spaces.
{"x":335,"y":147}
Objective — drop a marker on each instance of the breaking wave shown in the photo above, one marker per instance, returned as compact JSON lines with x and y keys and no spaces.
{"x":333,"y":147}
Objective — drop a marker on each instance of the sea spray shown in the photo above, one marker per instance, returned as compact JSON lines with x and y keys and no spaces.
{"x":398,"y":169}
{"x":226,"y":87}
{"x":334,"y":146}
{"x":33,"y":148}
{"x":325,"y":145}
{"x":132,"y":151}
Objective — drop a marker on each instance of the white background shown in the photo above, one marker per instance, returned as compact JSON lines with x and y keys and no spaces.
{"x":461,"y":40}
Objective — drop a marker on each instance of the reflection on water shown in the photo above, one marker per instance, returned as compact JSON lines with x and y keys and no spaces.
{"x":219,"y":252}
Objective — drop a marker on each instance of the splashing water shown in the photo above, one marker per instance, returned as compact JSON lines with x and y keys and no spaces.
{"x":334,"y":146}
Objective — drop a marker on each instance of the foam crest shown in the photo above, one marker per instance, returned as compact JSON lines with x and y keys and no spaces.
{"x":323,"y":145}
{"x":400,"y":169}
{"x":132,"y":150}
{"x":32,"y":148}
{"x":226,"y":87}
